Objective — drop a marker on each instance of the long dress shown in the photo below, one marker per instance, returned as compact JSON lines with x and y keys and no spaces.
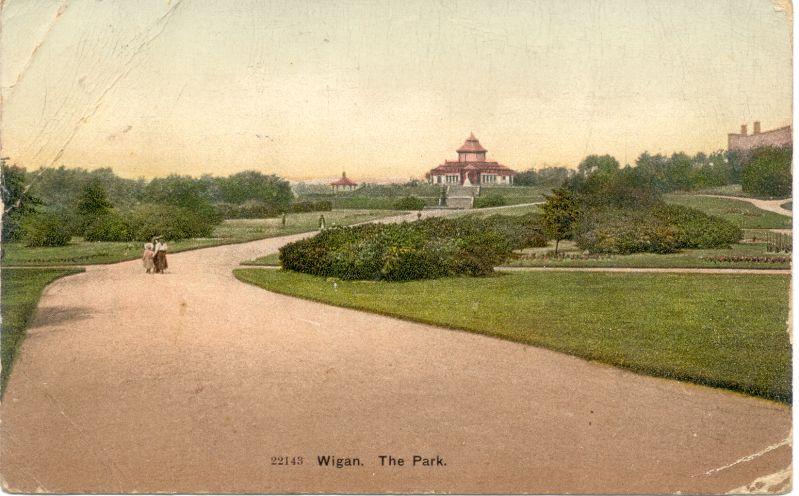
{"x":160,"y":261}
{"x":149,"y":260}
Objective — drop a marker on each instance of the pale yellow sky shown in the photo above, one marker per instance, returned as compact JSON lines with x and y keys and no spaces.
{"x":381,"y":89}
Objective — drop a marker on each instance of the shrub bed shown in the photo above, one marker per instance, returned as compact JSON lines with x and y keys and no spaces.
{"x":409,"y":203}
{"x":45,"y":229}
{"x":490,"y":200}
{"x":311,"y":206}
{"x":110,"y":226}
{"x":744,"y":258}
{"x":430,"y":248}
{"x":659,"y":229}
{"x":521,"y":231}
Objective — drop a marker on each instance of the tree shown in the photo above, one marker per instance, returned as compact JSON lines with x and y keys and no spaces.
{"x":93,"y":200}
{"x":560,"y":212}
{"x":18,"y":200}
{"x":768,"y":173}
{"x":526,"y":178}
{"x":597,"y":163}
{"x":253,"y":185}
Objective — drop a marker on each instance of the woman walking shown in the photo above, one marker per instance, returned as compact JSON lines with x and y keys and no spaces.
{"x":160,"y":256}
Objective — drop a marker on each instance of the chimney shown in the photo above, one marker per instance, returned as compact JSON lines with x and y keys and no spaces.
{"x":743,"y":129}
{"x":757,"y":127}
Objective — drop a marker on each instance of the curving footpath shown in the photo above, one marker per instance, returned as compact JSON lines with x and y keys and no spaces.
{"x":192,"y":382}
{"x":768,"y":205}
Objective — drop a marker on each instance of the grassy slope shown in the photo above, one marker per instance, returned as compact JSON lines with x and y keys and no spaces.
{"x":739,"y":212}
{"x":721,"y":330}
{"x":230,"y":231}
{"x":21,"y":291}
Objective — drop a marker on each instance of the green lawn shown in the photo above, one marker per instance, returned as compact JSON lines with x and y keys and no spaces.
{"x":515,"y":195}
{"x":721,"y":330}
{"x":21,"y":289}
{"x":740,"y":212}
{"x":684,"y":259}
{"x":80,"y":252}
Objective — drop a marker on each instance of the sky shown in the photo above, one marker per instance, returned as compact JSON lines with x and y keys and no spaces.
{"x":381,"y":89}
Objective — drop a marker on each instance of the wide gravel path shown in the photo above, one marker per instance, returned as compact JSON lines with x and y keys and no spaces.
{"x":193,"y":382}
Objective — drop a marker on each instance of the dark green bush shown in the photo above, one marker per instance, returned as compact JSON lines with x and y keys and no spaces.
{"x":768,"y":172}
{"x":521,"y":231}
{"x":625,"y":231}
{"x":44,"y":229}
{"x":489,"y":200}
{"x":311,"y":206}
{"x":659,"y":229}
{"x":696,"y":229}
{"x":108,"y":226}
{"x":409,"y":203}
{"x":424,"y":249}
{"x":171,"y":222}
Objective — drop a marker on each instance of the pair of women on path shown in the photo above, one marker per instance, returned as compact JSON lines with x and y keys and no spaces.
{"x":154,"y":257}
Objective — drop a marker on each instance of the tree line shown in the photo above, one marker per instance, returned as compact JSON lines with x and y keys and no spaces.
{"x":46,"y":207}
{"x":761,"y":172}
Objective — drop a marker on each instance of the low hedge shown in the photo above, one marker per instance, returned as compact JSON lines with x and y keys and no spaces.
{"x":658,"y":229}
{"x":425,"y":249}
{"x":490,"y":200}
{"x":409,"y":203}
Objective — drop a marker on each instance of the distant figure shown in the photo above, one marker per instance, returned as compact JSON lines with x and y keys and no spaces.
{"x":283,"y":220}
{"x":322,"y":222}
{"x":419,"y":215}
{"x":160,"y":257}
{"x":148,"y":258}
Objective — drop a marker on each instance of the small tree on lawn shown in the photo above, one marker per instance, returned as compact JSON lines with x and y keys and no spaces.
{"x":560,"y":212}
{"x":93,"y":200}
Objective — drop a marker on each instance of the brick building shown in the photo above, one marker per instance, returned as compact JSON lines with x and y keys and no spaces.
{"x":471,"y":168}
{"x":744,"y":142}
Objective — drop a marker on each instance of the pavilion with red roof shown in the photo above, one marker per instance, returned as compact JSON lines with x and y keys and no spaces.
{"x":344,"y":184}
{"x":471,"y":169}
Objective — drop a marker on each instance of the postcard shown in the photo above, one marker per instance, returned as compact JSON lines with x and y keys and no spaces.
{"x":348,"y":247}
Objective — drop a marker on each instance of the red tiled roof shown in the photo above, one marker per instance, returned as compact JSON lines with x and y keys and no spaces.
{"x":471,"y":145}
{"x":453,"y":167}
{"x":344,"y":181}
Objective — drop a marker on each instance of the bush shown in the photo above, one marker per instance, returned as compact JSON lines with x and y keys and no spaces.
{"x":660,"y":229}
{"x":521,"y":231}
{"x":409,"y":203}
{"x":109,"y":226}
{"x":696,"y":229}
{"x":625,"y":231}
{"x":44,"y":229}
{"x":399,"y":252}
{"x":171,"y":222}
{"x":768,"y":172}
{"x":489,"y":200}
{"x":311,"y":206}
